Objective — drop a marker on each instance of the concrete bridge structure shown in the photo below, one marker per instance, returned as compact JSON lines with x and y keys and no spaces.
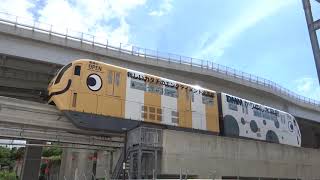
{"x":30,"y":54}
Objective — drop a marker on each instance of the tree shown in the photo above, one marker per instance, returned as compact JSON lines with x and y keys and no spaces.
{"x":5,"y":157}
{"x":51,"y":151}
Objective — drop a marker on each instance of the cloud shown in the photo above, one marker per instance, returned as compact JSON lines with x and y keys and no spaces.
{"x":164,"y":9}
{"x":308,"y":87}
{"x":95,"y":18}
{"x":106,"y":19}
{"x":249,"y":17}
{"x":17,"y":7}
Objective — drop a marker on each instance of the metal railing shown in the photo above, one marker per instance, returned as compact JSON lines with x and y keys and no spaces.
{"x":148,"y":53}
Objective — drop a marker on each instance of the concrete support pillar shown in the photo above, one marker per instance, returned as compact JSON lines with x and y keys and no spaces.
{"x":104,"y":163}
{"x":76,"y":164}
{"x":66,"y":164}
{"x":32,"y":161}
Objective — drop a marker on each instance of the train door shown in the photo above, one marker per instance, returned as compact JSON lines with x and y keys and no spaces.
{"x":114,"y":87}
{"x":188,"y":113}
{"x":115,"y":90}
{"x":184,"y":108}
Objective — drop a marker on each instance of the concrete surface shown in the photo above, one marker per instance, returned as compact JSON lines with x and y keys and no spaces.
{"x":211,"y":156}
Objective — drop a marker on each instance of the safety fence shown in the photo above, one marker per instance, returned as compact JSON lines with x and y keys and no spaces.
{"x":90,"y":39}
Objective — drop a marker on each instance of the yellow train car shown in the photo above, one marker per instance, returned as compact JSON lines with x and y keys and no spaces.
{"x":100,"y":96}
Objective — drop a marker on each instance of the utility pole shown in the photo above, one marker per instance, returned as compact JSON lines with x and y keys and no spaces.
{"x":313,"y":26}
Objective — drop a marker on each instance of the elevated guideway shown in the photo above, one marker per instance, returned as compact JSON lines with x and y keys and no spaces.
{"x":20,"y":119}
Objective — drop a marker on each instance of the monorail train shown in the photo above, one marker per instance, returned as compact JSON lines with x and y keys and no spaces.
{"x":100,"y":96}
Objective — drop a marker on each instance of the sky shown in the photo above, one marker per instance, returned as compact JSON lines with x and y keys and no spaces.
{"x":267,"y":38}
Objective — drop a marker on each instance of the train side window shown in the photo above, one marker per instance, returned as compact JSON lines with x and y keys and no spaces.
{"x":117,"y":79}
{"x":187,"y":94}
{"x":208,"y":100}
{"x":244,"y":109}
{"x":273,"y":117}
{"x":138,"y":85}
{"x":63,"y":70}
{"x":172,"y":92}
{"x":283,"y":119}
{"x":190,"y":94}
{"x":175,"y":117}
{"x":233,"y":107}
{"x":257,"y":113}
{"x":266,"y":115}
{"x":77,"y":70}
{"x":110,"y":77}
{"x":155,"y":89}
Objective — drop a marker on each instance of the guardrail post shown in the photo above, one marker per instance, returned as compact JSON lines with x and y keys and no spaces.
{"x":81,"y":38}
{"x":34,"y":24}
{"x":15,"y":24}
{"x":50,"y":29}
{"x":93,"y":41}
{"x":66,"y":37}
{"x":180,"y":59}
{"x":157,"y":55}
{"x":145,"y":53}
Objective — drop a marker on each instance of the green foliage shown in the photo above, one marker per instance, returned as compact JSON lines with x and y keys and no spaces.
{"x":6,"y":175}
{"x":51,"y":151}
{"x":6,"y":158}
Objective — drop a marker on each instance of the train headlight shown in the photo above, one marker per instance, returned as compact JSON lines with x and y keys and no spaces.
{"x":94,"y":82}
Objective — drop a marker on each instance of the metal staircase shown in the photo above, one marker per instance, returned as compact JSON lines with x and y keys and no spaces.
{"x":142,"y":153}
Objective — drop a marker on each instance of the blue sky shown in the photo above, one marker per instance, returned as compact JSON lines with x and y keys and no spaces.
{"x":267,"y":38}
